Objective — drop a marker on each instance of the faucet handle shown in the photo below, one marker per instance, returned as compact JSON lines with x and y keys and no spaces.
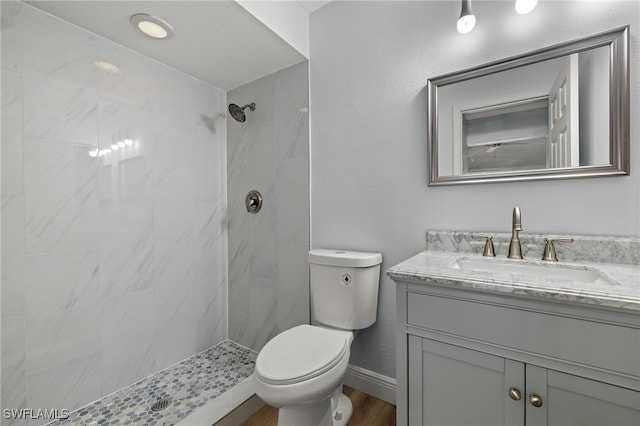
{"x":489,"y":250}
{"x":550,"y":249}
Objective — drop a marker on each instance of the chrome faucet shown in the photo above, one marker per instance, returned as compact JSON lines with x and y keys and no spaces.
{"x":515,"y":250}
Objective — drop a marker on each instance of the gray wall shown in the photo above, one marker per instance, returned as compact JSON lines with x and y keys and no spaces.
{"x":370,"y":62}
{"x":113,"y":266}
{"x":268,"y":271}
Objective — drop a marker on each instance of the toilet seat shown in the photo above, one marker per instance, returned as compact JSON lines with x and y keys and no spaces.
{"x":300,"y":353}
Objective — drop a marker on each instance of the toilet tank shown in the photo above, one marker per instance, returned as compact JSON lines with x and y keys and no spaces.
{"x":344,"y":287}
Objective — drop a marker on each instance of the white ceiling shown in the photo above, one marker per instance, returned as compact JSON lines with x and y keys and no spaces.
{"x":216,"y":41}
{"x":312,"y":5}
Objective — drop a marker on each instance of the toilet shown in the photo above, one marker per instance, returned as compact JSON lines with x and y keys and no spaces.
{"x":300,"y":371}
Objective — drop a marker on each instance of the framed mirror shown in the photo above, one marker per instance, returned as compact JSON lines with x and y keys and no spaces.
{"x":559,"y":112}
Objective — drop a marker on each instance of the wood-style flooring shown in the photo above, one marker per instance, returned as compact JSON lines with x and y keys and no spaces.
{"x":367,"y":411}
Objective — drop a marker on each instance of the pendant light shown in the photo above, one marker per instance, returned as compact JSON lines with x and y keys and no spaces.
{"x":467,"y":19}
{"x":525,"y":6}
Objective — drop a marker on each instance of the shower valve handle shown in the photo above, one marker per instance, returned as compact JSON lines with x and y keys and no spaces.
{"x":253,"y":201}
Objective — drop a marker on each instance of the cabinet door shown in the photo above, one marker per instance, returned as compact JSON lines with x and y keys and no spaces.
{"x":569,"y":400}
{"x":451,"y":385}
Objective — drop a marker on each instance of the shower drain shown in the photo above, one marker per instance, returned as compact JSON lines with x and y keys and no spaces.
{"x":161,"y":404}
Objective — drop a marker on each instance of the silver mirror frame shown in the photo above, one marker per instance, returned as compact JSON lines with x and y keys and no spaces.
{"x":618,"y":42}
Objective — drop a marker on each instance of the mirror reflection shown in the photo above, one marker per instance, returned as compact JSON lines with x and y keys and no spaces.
{"x":553,"y":113}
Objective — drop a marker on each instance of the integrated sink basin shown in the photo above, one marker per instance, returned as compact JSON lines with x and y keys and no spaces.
{"x":520,"y":270}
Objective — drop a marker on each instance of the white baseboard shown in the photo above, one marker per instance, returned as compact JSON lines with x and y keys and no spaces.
{"x":372,"y":383}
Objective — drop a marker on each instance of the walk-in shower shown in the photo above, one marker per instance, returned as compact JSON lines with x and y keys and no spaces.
{"x":238,"y":112}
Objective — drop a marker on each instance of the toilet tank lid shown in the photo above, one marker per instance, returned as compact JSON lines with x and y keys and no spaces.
{"x":353,"y":259}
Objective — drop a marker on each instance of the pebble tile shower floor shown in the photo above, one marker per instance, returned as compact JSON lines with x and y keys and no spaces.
{"x":189,"y":384}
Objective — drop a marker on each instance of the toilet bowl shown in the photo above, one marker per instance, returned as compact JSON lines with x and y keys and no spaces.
{"x":303,"y":367}
{"x":300,"y":371}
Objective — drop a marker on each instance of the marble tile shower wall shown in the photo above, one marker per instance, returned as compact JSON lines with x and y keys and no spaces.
{"x":113,"y":264}
{"x":268,"y":270}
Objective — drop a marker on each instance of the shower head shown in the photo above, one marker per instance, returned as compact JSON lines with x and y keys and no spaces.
{"x":238,"y":112}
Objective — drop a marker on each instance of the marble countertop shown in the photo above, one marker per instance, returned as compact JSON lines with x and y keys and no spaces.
{"x":620,"y":289}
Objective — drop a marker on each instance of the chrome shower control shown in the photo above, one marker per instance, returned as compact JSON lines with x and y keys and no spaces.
{"x":253,"y":201}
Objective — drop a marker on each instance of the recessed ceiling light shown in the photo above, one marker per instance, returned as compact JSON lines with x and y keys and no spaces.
{"x":152,"y":26}
{"x":106,"y":67}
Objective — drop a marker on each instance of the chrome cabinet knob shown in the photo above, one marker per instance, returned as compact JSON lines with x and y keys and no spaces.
{"x":535,"y":400}
{"x":515,"y":394}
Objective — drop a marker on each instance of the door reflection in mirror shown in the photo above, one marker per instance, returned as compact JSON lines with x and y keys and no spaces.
{"x":528,"y":118}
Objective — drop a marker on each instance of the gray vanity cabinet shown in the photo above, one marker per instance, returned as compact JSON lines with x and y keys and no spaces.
{"x":452,"y":385}
{"x":572,"y":400}
{"x":472,"y":358}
